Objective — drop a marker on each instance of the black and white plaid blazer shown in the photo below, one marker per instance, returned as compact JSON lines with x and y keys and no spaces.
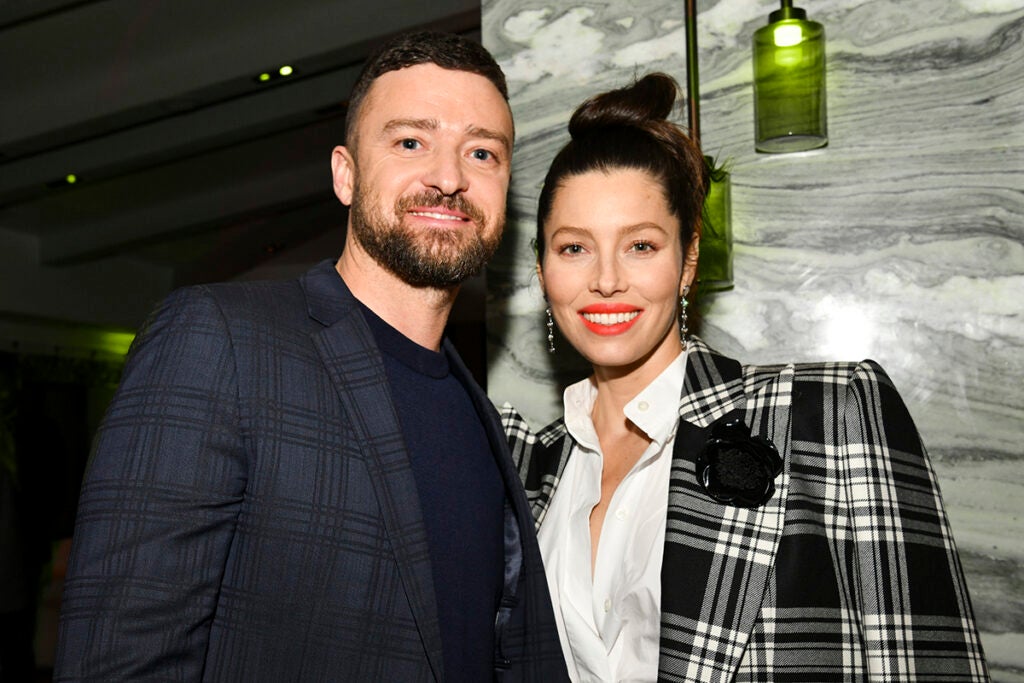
{"x":848,"y":573}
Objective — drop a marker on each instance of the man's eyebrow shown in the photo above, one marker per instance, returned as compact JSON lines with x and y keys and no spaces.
{"x":421,"y":124}
{"x":488,"y":134}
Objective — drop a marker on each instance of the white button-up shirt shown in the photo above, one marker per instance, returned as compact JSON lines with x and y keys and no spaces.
{"x":609,"y":622}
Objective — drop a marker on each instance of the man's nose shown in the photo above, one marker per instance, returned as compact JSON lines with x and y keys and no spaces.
{"x":446,"y":172}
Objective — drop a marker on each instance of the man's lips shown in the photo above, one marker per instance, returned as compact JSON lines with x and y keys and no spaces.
{"x":433,"y":209}
{"x":438,"y":214}
{"x":609,"y":319}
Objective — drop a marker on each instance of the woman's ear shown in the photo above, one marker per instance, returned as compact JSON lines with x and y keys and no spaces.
{"x":540,"y":278}
{"x":343,"y":172}
{"x":690,"y":259}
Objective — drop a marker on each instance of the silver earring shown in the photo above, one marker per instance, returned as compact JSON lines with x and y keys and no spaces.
{"x":551,"y":332}
{"x":684,"y":331}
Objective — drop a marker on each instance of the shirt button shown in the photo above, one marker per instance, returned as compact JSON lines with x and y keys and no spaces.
{"x":621,"y":514}
{"x":643,"y":405}
{"x":607,"y":605}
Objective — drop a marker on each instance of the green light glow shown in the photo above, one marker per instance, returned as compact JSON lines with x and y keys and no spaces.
{"x":115,"y":342}
{"x":71,"y":179}
{"x":787,"y":35}
{"x":285,"y":70}
{"x":264,"y":77}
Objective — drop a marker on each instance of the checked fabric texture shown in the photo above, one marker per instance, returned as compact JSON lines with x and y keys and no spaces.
{"x":849,"y":572}
{"x":250,"y":511}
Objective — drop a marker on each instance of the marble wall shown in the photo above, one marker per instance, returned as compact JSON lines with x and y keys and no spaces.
{"x":902,"y":241}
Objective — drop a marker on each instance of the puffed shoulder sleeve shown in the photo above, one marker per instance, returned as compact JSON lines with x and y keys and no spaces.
{"x":916,"y":612}
{"x":158,"y":505}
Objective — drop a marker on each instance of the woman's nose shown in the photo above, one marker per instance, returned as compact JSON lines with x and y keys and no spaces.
{"x":608,"y":276}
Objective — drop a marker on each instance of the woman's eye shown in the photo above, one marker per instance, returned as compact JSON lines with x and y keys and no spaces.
{"x":572,"y":249}
{"x":643,"y":246}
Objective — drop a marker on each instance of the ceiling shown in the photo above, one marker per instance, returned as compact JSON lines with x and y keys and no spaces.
{"x":184,"y":160}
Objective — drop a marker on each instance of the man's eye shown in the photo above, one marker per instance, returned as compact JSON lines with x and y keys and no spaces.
{"x":482,"y":154}
{"x":410,"y":143}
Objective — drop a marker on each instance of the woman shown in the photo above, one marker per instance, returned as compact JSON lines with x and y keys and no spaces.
{"x":700,"y":519}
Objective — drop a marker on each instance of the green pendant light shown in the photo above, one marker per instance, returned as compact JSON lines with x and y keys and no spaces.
{"x":714,"y":268}
{"x":789,"y":83}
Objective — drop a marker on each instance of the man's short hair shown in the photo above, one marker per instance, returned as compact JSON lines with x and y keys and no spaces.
{"x":446,"y":50}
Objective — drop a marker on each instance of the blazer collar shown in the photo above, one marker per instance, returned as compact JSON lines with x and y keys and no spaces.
{"x":718,"y":558}
{"x":349,"y":352}
{"x":350,"y":356}
{"x":713,"y":385}
{"x":328,"y":298}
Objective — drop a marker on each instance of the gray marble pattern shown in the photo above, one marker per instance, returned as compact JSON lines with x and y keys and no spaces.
{"x":902,"y":241}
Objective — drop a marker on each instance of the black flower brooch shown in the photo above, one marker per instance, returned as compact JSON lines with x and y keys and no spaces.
{"x":736,"y":468}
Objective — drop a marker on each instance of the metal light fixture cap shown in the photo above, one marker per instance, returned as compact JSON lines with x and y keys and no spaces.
{"x":787,"y":11}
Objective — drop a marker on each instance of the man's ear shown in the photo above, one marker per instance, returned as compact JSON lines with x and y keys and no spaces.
{"x":690,"y":259}
{"x":343,"y":170}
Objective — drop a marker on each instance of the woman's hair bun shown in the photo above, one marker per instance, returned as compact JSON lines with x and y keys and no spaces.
{"x":649,"y":99}
{"x":629,"y":129}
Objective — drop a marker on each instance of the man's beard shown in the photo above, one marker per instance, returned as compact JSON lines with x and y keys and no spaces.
{"x":428,"y":258}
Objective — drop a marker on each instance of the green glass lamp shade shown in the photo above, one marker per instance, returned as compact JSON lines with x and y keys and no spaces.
{"x":789,"y":83}
{"x":714,"y":268}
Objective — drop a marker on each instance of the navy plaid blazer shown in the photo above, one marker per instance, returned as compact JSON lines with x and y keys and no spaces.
{"x":848,"y":573}
{"x":249,"y":512}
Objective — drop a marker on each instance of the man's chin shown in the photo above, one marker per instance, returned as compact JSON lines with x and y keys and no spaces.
{"x":436,"y":268}
{"x":431,"y":281}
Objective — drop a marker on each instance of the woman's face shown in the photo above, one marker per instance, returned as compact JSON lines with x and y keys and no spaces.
{"x":613,"y":270}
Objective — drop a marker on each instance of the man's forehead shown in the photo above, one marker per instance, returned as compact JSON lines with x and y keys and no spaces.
{"x":420,"y":82}
{"x":430,"y":72}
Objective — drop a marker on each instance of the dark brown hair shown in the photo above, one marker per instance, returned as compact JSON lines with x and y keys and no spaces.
{"x":629,"y":128}
{"x":446,"y":50}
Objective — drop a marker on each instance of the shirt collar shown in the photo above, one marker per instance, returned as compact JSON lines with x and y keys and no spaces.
{"x":655,"y":410}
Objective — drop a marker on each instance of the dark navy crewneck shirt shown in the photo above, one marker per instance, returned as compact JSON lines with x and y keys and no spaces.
{"x":461,"y":494}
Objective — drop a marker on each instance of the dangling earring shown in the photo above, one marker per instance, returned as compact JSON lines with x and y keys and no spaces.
{"x":551,"y":332}
{"x":683,"y":329}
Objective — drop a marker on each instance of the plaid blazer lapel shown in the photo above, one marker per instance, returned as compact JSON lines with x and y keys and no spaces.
{"x":539,"y":457}
{"x":717,"y":557}
{"x":350,"y":356}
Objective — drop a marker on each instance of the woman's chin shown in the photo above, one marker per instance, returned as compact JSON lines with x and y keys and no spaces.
{"x":616,"y":358}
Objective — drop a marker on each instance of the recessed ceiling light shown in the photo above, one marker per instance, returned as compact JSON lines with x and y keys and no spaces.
{"x":283,"y":71}
{"x":63,"y":181}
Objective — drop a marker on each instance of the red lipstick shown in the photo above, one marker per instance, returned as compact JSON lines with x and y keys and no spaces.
{"x":609,"y":319}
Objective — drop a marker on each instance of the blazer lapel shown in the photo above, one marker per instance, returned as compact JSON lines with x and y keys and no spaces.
{"x":349,"y":353}
{"x":717,"y":558}
{"x":542,"y":468}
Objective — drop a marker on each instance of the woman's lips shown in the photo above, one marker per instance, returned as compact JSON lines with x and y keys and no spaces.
{"x":609,"y":319}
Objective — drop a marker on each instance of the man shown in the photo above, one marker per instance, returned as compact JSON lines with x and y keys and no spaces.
{"x":300,"y":481}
